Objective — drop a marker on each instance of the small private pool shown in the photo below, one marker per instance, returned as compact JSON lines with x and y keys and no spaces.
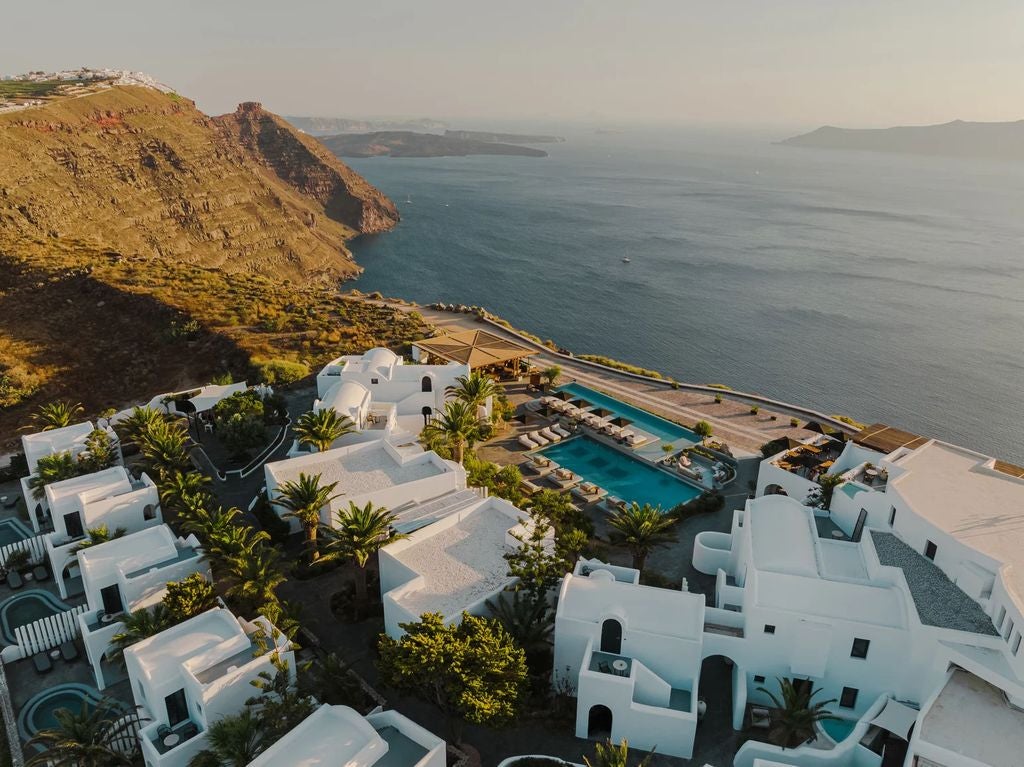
{"x":622,"y":475}
{"x":12,"y":531}
{"x":40,"y":711}
{"x":24,"y":608}
{"x":838,"y":729}
{"x":663,"y":429}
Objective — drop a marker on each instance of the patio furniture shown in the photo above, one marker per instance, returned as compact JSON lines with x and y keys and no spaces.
{"x":565,"y":479}
{"x":14,"y":580}
{"x":529,"y":487}
{"x":68,"y":651}
{"x":536,"y":437}
{"x":619,"y":664}
{"x":604,"y":668}
{"x":760,"y":718}
{"x":10,"y":502}
{"x":171,"y":740}
{"x":40,"y":572}
{"x":190,"y":730}
{"x":526,"y":442}
{"x":42,"y":662}
{"x":557,"y":429}
{"x":549,"y":435}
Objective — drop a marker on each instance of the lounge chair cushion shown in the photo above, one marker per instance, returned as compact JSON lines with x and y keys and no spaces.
{"x":42,"y":662}
{"x":40,"y":573}
{"x":14,"y":579}
{"x":68,"y":651}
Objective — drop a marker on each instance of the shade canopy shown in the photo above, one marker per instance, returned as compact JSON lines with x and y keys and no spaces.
{"x":897,"y":718}
{"x":476,"y":348}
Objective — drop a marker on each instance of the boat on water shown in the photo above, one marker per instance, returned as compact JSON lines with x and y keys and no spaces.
{"x":626,"y":259}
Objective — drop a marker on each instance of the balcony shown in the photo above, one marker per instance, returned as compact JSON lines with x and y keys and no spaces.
{"x":168,"y":738}
{"x":610,"y":663}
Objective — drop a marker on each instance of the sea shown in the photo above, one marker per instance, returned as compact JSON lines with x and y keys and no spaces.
{"x":885,"y":287}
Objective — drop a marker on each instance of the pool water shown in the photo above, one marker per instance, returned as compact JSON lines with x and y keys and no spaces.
{"x":40,"y":712}
{"x":621,"y":475}
{"x":659,"y":427}
{"x":27,"y":607}
{"x":838,"y":729}
{"x":12,"y":531}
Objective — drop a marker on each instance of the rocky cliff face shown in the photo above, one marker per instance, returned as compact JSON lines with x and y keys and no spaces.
{"x":144,"y":174}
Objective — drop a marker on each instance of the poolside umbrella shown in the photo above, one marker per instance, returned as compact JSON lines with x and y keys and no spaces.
{"x":563,"y":395}
{"x":620,"y":421}
{"x":601,"y":412}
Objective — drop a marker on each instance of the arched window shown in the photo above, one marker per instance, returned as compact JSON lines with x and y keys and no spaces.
{"x":427,"y":411}
{"x":427,"y":384}
{"x":611,"y":636}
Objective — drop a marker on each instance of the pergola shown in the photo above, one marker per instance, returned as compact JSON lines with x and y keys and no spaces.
{"x":476,"y":348}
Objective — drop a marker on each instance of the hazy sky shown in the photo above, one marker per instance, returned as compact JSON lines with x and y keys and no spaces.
{"x":760,"y":62}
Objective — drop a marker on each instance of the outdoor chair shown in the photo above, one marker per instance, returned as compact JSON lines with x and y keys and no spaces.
{"x":14,"y":580}
{"x":162,"y":731}
{"x":68,"y":651}
{"x":604,"y":668}
{"x":190,"y":730}
{"x":42,"y":662}
{"x":40,"y":573}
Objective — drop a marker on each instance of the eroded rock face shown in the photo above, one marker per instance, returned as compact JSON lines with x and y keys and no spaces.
{"x":147,"y":174}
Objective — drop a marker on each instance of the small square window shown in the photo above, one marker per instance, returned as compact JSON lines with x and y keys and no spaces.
{"x":930,"y":549}
{"x":1008,"y":630}
{"x":892,"y":516}
{"x":849,"y":697}
{"x":860,"y":648}
{"x":1016,"y":644}
{"x":374,"y":380}
{"x":758,"y":679}
{"x":769,"y":628}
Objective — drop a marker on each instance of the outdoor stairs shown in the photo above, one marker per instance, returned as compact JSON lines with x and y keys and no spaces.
{"x":416,"y":516}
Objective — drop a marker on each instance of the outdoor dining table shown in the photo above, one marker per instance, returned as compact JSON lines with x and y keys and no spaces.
{"x":172,"y":739}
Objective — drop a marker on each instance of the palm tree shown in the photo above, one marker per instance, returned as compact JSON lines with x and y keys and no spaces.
{"x":473,"y":389}
{"x":457,"y":426}
{"x":53,"y":468}
{"x":139,"y":625}
{"x":100,"y":534}
{"x":88,"y":738}
{"x":303,"y":500}
{"x":56,"y":415}
{"x":321,"y":428}
{"x":234,"y":741}
{"x":796,"y":716}
{"x":530,"y":622}
{"x":610,"y":755}
{"x":209,"y":525}
{"x":551,"y":374}
{"x":182,"y":492}
{"x":233,"y":542}
{"x":255,"y":576}
{"x":100,"y":452}
{"x":641,"y":529}
{"x":131,"y":429}
{"x":164,"y":446}
{"x":358,"y":534}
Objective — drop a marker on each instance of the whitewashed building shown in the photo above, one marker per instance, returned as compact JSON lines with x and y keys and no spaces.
{"x":188,"y":677}
{"x":338,"y":735}
{"x":125,"y":575}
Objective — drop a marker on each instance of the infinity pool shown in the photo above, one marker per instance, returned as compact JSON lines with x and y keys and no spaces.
{"x":621,"y":475}
{"x":665,"y":430}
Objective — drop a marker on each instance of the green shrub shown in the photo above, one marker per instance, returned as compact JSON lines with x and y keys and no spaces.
{"x":707,"y":502}
{"x":616,"y":364}
{"x":718,"y":399}
{"x":794,"y":422}
{"x":277,"y":371}
{"x":755,"y":409}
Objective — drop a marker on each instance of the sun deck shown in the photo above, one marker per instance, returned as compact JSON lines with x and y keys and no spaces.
{"x":360,"y":471}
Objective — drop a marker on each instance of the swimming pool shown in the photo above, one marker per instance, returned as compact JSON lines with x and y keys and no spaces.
{"x":838,"y":729}
{"x":12,"y":531}
{"x":26,"y":607}
{"x":39,"y":713}
{"x":622,"y":475}
{"x":661,"y":428}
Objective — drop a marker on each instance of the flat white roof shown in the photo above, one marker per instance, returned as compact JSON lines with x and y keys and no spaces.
{"x":972,"y":718}
{"x":857,"y":602}
{"x":130,"y":553}
{"x":781,"y":536}
{"x":161,"y":656}
{"x":57,"y":440}
{"x":461,"y":560}
{"x":330,"y":736}
{"x":100,"y":484}
{"x":357,"y":469}
{"x":959,"y":492}
{"x":665,"y":612}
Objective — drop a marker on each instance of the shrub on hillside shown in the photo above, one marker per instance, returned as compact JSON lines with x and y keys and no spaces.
{"x":277,"y":371}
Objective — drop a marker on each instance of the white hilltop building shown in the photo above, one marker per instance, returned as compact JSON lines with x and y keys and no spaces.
{"x":451,"y":566}
{"x":384,"y":395}
{"x":69,"y":439}
{"x":632,"y":654}
{"x":418,"y":486}
{"x":901,"y":601}
{"x":111,"y":497}
{"x":338,"y":735}
{"x":125,"y":575}
{"x":189,"y":676}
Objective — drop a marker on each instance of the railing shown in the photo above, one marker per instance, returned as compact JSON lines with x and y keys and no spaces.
{"x":49,"y":632}
{"x":35,"y":546}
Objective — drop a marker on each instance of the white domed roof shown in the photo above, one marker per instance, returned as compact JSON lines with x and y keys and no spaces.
{"x":346,"y":398}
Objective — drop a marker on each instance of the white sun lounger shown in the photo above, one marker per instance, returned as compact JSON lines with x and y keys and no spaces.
{"x":550,"y":435}
{"x":564,"y":478}
{"x":563,"y":433}
{"x":526,"y":442}
{"x":536,"y":437}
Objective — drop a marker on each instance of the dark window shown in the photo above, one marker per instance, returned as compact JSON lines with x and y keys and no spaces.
{"x":73,"y":524}
{"x":860,"y":648}
{"x":1016,"y":645}
{"x":892,"y":516}
{"x":769,"y":628}
{"x":111,"y":598}
{"x":177,"y":708}
{"x":374,"y":380}
{"x":758,"y":679}
{"x":849,"y":697}
{"x":426,"y":384}
{"x":149,"y":511}
{"x":611,"y":636}
{"x":930,"y":549}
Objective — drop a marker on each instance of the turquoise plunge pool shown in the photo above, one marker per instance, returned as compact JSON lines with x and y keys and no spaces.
{"x":838,"y":729}
{"x":40,"y":712}
{"x":628,"y":478}
{"x":12,"y":531}
{"x":652,"y":424}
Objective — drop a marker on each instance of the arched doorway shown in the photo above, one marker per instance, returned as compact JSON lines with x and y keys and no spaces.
{"x":599,"y":722}
{"x":427,"y":384}
{"x":723,"y":689}
{"x":611,"y":636}
{"x":427,"y":411}
{"x":775,"y":490}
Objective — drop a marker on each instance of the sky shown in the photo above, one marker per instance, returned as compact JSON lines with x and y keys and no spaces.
{"x":854,"y":63}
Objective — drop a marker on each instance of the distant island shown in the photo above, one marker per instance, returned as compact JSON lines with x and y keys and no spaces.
{"x":411,"y":144}
{"x":985,"y":140}
{"x":330,"y":126}
{"x":505,"y":138}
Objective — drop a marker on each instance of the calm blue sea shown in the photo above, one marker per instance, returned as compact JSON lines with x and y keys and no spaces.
{"x":886,"y":287}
